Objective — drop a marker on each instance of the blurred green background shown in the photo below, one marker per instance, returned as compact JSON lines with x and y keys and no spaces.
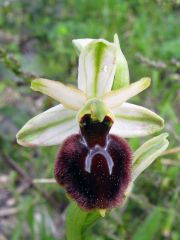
{"x":35,"y":39}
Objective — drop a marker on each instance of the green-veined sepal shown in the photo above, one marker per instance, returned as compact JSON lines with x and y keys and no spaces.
{"x":97,"y":66}
{"x":135,"y":121}
{"x":48,"y":128}
{"x":80,"y":44}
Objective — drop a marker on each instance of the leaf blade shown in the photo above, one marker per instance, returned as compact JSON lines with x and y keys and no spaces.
{"x":149,"y":228}
{"x":78,"y":221}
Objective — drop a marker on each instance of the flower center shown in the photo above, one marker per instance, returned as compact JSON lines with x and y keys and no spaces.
{"x":95,"y":132}
{"x":95,"y":138}
{"x":95,"y":151}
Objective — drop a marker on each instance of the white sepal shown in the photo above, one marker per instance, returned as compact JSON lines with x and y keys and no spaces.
{"x":135,"y":121}
{"x":48,"y":128}
{"x":97,"y":65}
{"x":80,"y":44}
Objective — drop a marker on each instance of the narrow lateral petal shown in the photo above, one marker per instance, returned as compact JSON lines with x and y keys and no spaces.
{"x":134,"y":121}
{"x":122,"y":72}
{"x":147,"y":153}
{"x":48,"y":128}
{"x":69,"y":96}
{"x":117,"y":97}
{"x":97,"y":65}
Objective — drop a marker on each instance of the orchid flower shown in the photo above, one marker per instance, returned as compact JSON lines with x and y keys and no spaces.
{"x":95,"y":164}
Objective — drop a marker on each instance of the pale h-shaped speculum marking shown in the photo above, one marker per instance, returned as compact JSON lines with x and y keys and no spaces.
{"x":98,"y":150}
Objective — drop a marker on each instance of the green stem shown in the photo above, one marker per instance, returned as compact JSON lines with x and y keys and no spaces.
{"x":79,"y":221}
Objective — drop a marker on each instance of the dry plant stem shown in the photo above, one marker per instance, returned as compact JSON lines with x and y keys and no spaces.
{"x":7,"y":212}
{"x":147,"y":205}
{"x":12,"y":64}
{"x":170,"y":162}
{"x":44,"y":180}
{"x":29,"y":180}
{"x":6,"y":37}
{"x":175,"y":62}
{"x":171,"y":68}
{"x":171,"y":151}
{"x":2,"y":237}
{"x":150,"y":63}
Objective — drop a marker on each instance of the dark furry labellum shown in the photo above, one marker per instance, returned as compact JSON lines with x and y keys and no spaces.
{"x":94,"y":166}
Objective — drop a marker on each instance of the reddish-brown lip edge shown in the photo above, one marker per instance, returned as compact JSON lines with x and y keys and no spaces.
{"x":94,"y":166}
